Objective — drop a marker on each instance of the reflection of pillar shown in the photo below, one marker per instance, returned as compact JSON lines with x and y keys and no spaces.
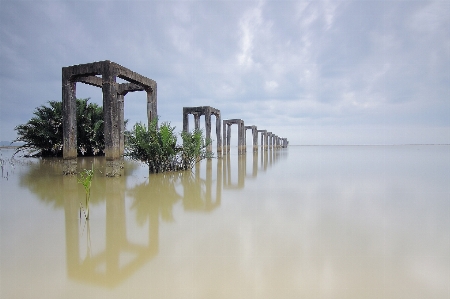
{"x":242,"y":170}
{"x":208,"y":184}
{"x":255,"y":165}
{"x":219,"y":181}
{"x":71,"y":213}
{"x":115,"y":225}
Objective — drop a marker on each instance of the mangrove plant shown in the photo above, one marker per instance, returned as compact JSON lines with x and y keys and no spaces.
{"x":158,"y":148}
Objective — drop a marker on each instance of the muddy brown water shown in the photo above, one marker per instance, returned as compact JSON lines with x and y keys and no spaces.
{"x":303,"y":222}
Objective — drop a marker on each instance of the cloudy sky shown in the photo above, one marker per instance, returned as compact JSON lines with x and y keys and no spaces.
{"x":316,"y":72}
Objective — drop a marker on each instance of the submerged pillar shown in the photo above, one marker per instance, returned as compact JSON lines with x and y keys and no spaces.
{"x":69,"y":104}
{"x":206,"y":111}
{"x":102,"y":74}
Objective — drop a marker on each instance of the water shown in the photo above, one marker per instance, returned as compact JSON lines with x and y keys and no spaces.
{"x":303,"y":222}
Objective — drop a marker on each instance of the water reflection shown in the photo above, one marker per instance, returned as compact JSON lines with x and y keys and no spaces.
{"x":150,"y":201}
{"x":108,"y":267}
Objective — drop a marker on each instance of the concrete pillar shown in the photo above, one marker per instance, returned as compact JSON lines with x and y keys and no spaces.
{"x":69,"y":123}
{"x":228,"y":137}
{"x":218,"y":134}
{"x":208,"y":127}
{"x":241,"y":138}
{"x":269,"y":140}
{"x":255,"y":138}
{"x":152,"y":104}
{"x":196,"y":121}
{"x":120,"y":102}
{"x":185,"y":120}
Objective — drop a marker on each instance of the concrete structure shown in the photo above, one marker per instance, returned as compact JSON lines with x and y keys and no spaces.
{"x":227,"y":132}
{"x":254,"y":135}
{"x":102,"y":74}
{"x":207,"y":111}
{"x":263,"y":139}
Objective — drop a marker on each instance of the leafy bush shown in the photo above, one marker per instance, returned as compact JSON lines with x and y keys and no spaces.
{"x":43,"y":134}
{"x":157,"y":147}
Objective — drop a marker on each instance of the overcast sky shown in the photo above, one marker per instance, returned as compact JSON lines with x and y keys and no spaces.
{"x":316,"y":72}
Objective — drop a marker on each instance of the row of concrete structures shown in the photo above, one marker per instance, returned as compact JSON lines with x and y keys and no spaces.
{"x":104,"y":74}
{"x":269,"y":140}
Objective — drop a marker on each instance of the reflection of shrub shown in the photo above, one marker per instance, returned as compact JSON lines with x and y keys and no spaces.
{"x":43,"y":134}
{"x":86,"y":180}
{"x":158,"y":149}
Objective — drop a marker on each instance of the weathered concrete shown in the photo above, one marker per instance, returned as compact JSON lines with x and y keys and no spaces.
{"x":113,"y":106}
{"x":207,"y":111}
{"x":227,"y":132}
{"x":263,"y":139}
{"x":254,"y":135}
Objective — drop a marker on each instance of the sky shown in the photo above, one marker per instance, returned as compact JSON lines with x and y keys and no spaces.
{"x":315,"y":72}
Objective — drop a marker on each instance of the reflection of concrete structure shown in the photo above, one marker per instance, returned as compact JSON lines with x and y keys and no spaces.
{"x":228,"y":174}
{"x":207,"y":111}
{"x":197,"y":193}
{"x":227,"y":135}
{"x":102,"y":74}
{"x":107,"y":268}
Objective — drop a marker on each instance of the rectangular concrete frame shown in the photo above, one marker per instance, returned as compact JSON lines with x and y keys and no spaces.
{"x":207,"y":111}
{"x":113,"y":97}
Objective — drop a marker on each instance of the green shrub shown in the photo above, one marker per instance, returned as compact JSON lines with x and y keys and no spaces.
{"x":157,"y":147}
{"x":43,"y":134}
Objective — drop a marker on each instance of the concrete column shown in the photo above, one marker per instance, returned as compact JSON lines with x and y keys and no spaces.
{"x":111,"y":123}
{"x":120,"y":103}
{"x":69,"y":123}
{"x":152,"y":102}
{"x":208,"y":127}
{"x":241,"y":138}
{"x":185,"y":120}
{"x":228,"y":137}
{"x":269,"y":140}
{"x":218,"y":135}
{"x":255,"y":138}
{"x":197,"y":120}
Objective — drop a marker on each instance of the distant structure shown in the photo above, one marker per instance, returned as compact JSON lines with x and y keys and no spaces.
{"x":102,"y":74}
{"x":227,"y":132}
{"x":254,"y":135}
{"x":207,"y":111}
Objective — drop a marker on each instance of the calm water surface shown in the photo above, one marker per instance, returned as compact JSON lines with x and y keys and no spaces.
{"x":303,"y":222}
